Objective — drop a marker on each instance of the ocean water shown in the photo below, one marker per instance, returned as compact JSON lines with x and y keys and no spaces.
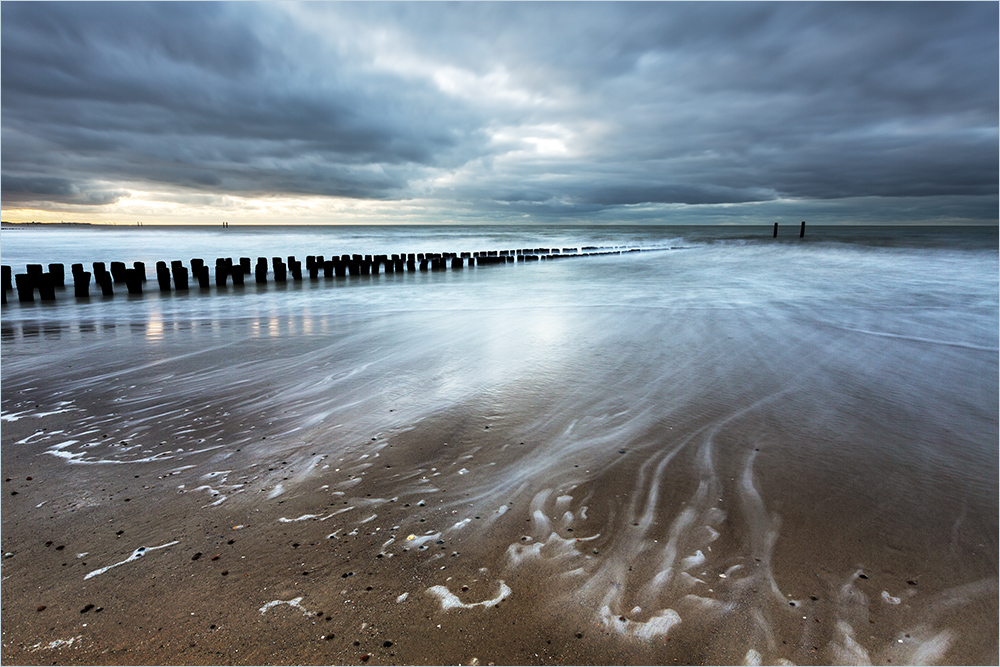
{"x":741,"y":424}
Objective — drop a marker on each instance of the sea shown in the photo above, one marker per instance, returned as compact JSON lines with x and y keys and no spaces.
{"x":823,"y":410}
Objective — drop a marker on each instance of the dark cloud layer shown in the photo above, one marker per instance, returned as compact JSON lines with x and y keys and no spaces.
{"x":559,"y":110}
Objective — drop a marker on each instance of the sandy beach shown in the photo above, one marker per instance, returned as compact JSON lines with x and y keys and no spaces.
{"x":521,"y":481}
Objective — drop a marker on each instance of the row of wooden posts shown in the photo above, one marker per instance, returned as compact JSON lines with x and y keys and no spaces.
{"x":176,"y":276}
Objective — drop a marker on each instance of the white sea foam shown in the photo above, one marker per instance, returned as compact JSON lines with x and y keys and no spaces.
{"x":450,"y":601}
{"x":137,"y":554}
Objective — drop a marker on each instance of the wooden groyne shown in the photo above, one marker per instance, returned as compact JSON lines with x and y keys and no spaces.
{"x":234,"y":273}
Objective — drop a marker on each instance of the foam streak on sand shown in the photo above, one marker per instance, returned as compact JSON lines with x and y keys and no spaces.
{"x":137,"y":554}
{"x":450,"y":601}
{"x":295,"y":603}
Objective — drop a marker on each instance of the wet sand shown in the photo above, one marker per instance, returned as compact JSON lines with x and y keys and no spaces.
{"x":516,"y":485}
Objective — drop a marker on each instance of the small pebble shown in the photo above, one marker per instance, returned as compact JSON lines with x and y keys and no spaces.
{"x":386,"y":644}
{"x":41,"y":607}
{"x":86,"y":609}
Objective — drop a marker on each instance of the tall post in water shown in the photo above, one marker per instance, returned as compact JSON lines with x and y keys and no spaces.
{"x":81,"y":284}
{"x":58,"y":275}
{"x":133,"y":281}
{"x":118,"y":272}
{"x":163,"y":276}
{"x":25,"y":287}
{"x":802,"y":229}
{"x":221,"y":272}
{"x":105,"y":282}
{"x":775,"y":231}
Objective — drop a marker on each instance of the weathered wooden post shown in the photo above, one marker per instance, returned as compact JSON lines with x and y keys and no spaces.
{"x":802,"y":229}
{"x":457,"y":263}
{"x":8,"y":286}
{"x":260,"y":271}
{"x":133,"y":281}
{"x":295,"y":267}
{"x":81,"y":284}
{"x":203,"y":279}
{"x":118,"y":272}
{"x":775,"y":231}
{"x":106,"y":283}
{"x":58,"y":275}
{"x":141,"y":268}
{"x":236,"y":273}
{"x":180,"y":274}
{"x":163,"y":276}
{"x":25,"y":287}
{"x":221,"y":272}
{"x":280,"y":270}
{"x":46,"y":287}
{"x":328,"y":268}
{"x":34,"y":272}
{"x":245,"y":265}
{"x":340,"y":265}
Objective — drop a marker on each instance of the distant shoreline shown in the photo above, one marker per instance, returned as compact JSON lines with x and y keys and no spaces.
{"x":17,"y":225}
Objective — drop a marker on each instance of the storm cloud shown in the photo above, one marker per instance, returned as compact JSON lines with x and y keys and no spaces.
{"x":494,"y":111}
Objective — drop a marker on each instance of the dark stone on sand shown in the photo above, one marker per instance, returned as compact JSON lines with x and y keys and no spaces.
{"x":86,"y":609}
{"x":863,"y":575}
{"x":386,"y":644}
{"x":41,"y":607}
{"x":196,"y":556}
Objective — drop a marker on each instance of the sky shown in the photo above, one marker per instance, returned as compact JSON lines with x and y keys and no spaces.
{"x":495,"y":113}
